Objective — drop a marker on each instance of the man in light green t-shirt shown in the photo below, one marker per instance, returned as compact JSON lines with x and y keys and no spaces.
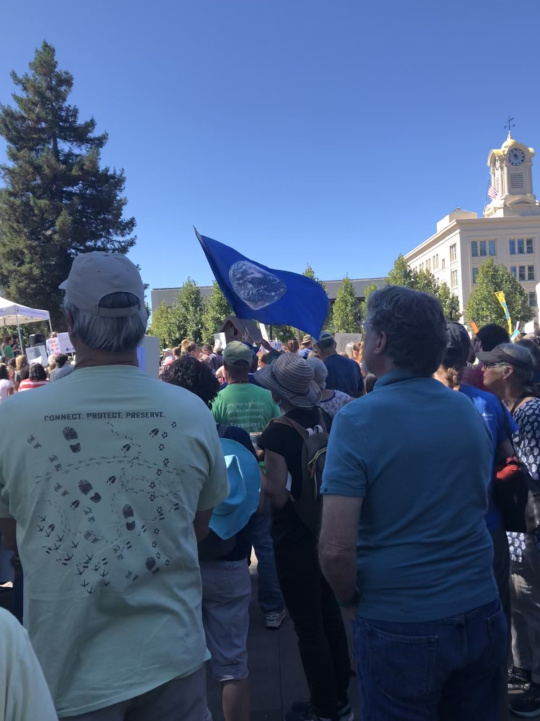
{"x":242,"y":403}
{"x":111,"y":477}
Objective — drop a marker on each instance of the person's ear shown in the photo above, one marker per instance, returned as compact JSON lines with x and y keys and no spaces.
{"x":69,"y":321}
{"x":382,"y":342}
{"x":508,"y":371}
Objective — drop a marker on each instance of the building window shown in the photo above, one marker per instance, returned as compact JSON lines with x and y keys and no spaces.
{"x":453,"y":276}
{"x":436,"y":262}
{"x":530,"y":246}
{"x":453,"y":253}
{"x":521,"y":246}
{"x":512,"y":247}
{"x":492,"y":247}
{"x":428,"y":264}
{"x":475,"y":274}
{"x":513,"y":270}
{"x":532,"y":299}
{"x":483,"y":248}
{"x":530,"y":272}
{"x":443,"y":266}
{"x":474,"y":249}
{"x":521,"y":275}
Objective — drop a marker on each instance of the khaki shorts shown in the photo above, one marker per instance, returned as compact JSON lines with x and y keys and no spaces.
{"x":225,"y":611}
{"x":181,"y":698}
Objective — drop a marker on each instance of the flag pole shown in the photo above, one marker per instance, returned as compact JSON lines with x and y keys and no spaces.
{"x":19,"y":331}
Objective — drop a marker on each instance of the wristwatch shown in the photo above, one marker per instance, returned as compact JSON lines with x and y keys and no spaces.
{"x":354,"y":601}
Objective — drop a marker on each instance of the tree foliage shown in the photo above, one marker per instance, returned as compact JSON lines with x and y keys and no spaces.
{"x":402,"y":274}
{"x":285,"y":333}
{"x":58,"y":201}
{"x":187,"y":313}
{"x":161,"y":327}
{"x":424,"y":280}
{"x":346,"y":309}
{"x":363,"y":304}
{"x":483,"y":306}
{"x":216,"y":309}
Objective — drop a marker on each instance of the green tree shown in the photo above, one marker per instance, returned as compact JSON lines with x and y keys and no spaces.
{"x":346,"y":308}
{"x":449,"y":302}
{"x":161,"y":327}
{"x":402,"y":274}
{"x":187,"y":313}
{"x":58,"y":201}
{"x":425,"y":281}
{"x":285,"y":333}
{"x":364,"y":303}
{"x":483,"y":306}
{"x":216,"y":309}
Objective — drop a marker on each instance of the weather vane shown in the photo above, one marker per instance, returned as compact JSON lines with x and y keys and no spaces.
{"x":510,"y":124}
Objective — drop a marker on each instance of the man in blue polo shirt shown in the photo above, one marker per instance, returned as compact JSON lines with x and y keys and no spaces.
{"x":404,"y":542}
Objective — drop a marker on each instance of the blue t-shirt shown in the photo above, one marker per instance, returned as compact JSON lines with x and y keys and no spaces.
{"x":420,"y":456}
{"x":492,"y":411}
{"x":344,"y":375}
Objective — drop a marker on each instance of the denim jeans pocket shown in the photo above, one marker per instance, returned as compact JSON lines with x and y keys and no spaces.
{"x":497,"y":628}
{"x":402,"y":666}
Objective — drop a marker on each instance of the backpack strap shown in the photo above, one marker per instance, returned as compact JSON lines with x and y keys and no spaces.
{"x":322,"y":422}
{"x":284,"y":421}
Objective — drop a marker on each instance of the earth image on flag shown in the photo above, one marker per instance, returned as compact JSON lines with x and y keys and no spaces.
{"x":257,"y":287}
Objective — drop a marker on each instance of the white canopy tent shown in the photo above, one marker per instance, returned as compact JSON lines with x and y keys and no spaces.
{"x":14,"y":314}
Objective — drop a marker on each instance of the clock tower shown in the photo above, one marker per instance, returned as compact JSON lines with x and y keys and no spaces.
{"x":511,"y":178}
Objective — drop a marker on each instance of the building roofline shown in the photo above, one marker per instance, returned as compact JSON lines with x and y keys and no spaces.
{"x":471,"y":222}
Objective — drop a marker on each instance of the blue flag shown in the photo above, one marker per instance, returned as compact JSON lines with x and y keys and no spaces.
{"x":274,"y":297}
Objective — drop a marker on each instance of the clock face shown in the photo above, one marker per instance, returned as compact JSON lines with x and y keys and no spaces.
{"x":516,"y":156}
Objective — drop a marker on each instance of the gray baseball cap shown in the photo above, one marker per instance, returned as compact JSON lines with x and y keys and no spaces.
{"x":97,"y":274}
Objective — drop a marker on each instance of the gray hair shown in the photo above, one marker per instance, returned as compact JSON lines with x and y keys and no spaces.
{"x":115,"y":335}
{"x":320,"y":371}
{"x":414,"y":325}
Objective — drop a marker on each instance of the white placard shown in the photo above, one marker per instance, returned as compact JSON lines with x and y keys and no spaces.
{"x":264,"y":332}
{"x":148,"y":356}
{"x":529,"y":327}
{"x":37,"y":354}
{"x":65,"y":343}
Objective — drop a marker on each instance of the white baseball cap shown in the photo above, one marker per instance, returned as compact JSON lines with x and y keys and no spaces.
{"x":97,"y":274}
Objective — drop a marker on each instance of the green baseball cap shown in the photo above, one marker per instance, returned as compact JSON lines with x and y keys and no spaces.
{"x":236,"y":352}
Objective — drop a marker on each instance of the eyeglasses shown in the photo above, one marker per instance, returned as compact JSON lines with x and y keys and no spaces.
{"x":494,"y":365}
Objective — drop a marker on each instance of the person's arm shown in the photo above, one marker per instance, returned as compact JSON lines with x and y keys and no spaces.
{"x":337,"y":546}
{"x":24,"y":691}
{"x":344,"y":486}
{"x":201,"y":523}
{"x":275,"y":480}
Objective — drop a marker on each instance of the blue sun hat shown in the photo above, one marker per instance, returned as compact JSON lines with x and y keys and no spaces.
{"x":244,"y":490}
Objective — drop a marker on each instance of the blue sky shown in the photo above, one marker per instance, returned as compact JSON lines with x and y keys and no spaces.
{"x":334,"y":132}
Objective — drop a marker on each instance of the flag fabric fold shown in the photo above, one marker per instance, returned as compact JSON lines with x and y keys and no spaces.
{"x":274,"y":297}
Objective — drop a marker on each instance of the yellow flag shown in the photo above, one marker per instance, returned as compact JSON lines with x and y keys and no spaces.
{"x":502,"y":300}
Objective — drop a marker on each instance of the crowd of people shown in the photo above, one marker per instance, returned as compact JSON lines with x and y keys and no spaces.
{"x":393,"y":485}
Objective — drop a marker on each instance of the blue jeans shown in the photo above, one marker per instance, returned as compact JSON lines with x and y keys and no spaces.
{"x":448,"y":669}
{"x":270,"y":598}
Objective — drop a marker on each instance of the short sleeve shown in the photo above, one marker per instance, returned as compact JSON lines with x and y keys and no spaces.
{"x":217,"y":409}
{"x":345,"y":471}
{"x":216,"y":488}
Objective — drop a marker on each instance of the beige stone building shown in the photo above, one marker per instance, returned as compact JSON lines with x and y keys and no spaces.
{"x":508,"y":232}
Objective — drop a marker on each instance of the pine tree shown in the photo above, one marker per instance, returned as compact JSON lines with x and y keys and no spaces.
{"x":216,"y":309}
{"x":402,"y":274}
{"x":58,"y":201}
{"x":346,"y":309}
{"x":187,"y":313}
{"x":483,"y":306}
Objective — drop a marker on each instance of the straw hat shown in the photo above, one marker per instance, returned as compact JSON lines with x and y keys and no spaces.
{"x":290,"y":378}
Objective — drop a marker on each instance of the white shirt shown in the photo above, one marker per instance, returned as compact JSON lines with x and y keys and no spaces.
{"x":5,"y":386}
{"x":24,"y":695}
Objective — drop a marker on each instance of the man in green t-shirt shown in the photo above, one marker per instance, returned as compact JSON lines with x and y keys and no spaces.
{"x":242,"y":403}
{"x":251,"y":407}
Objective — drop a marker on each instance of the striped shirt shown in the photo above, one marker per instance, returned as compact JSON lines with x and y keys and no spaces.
{"x":27,"y":384}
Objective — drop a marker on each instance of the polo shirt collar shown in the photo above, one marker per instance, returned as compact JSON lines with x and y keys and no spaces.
{"x":396,"y":376}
